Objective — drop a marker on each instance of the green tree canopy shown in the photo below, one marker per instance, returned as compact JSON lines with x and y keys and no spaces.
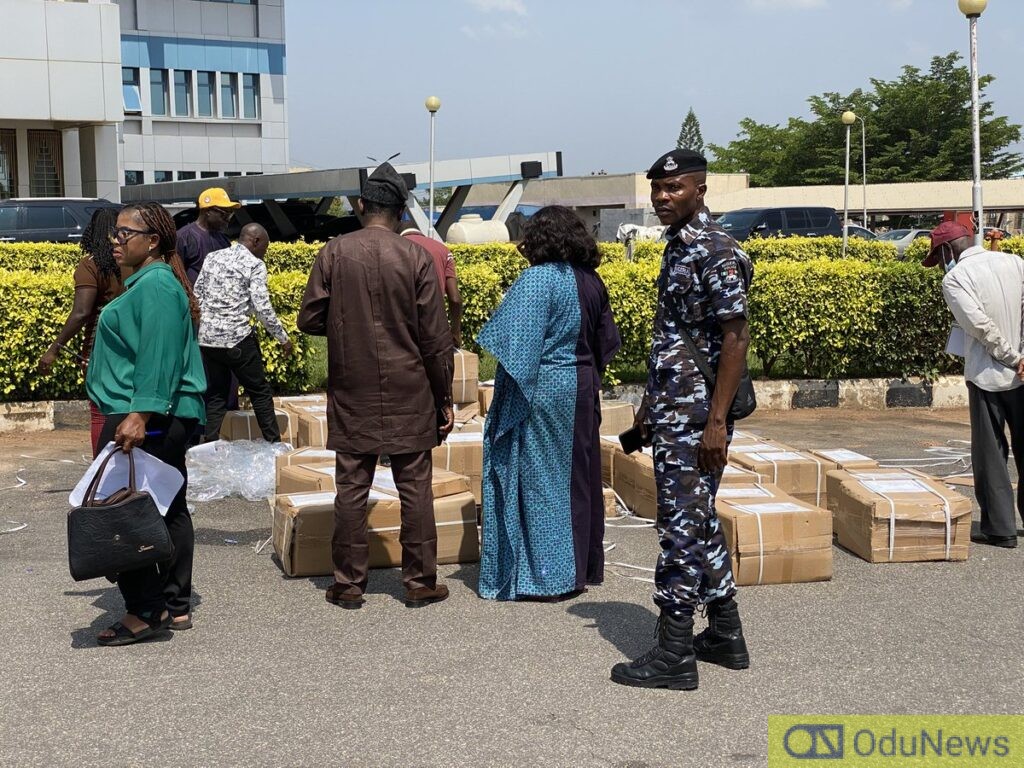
{"x":689,"y":133}
{"x":918,"y":129}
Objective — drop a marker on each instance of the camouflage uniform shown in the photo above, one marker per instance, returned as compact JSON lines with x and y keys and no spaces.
{"x":703,"y":282}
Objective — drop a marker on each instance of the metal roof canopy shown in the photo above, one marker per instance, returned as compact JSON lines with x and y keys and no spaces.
{"x":344,"y":182}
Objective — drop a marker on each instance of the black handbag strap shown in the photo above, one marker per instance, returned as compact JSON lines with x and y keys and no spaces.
{"x":94,"y":484}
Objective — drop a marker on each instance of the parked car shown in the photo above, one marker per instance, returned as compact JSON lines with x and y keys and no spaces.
{"x":305,"y":223}
{"x":781,"y":222}
{"x":901,"y":238}
{"x":47,"y":219}
{"x":852,"y":230}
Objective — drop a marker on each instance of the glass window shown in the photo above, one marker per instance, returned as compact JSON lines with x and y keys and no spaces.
{"x":45,"y":217}
{"x":186,"y":175}
{"x":209,"y":175}
{"x":8,"y":163}
{"x":8,"y":218}
{"x":738,"y":219}
{"x":132,"y":178}
{"x":250,"y":96}
{"x":182,"y":93}
{"x":232,"y":173}
{"x":796,"y":218}
{"x":161,"y":176}
{"x":820,"y":217}
{"x":158,"y":91}
{"x":774,"y":220}
{"x":130,"y":89}
{"x":204,"y":92}
{"x":228,"y":95}
{"x":45,"y":164}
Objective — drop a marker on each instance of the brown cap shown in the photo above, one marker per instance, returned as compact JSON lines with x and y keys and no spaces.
{"x":946,"y":232}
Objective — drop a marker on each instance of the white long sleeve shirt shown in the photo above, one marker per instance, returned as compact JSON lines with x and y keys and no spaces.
{"x":985,"y":293}
{"x":232,"y":287}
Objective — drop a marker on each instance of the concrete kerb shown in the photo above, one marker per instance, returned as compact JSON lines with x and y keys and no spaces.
{"x":776,"y":395}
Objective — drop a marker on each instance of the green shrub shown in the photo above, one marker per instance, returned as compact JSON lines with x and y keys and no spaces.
{"x":40,"y":257}
{"x":917,"y":250}
{"x":632,"y":293}
{"x":762,"y":249}
{"x":482,"y":290}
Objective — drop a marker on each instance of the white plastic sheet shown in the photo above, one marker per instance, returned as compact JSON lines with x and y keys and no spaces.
{"x":159,"y":480}
{"x":225,"y":468}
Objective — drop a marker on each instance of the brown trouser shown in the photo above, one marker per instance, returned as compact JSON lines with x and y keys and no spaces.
{"x":354,"y":475}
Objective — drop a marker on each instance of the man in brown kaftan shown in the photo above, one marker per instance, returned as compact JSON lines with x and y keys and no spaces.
{"x":375,"y":296}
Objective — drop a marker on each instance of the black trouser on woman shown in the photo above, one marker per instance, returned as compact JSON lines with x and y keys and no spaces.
{"x":169,"y":585}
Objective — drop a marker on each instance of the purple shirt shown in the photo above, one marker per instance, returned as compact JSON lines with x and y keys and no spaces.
{"x":194,"y":243}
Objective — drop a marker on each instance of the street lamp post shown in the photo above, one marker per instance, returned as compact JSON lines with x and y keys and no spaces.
{"x":432,"y":104}
{"x":864,"y":170}
{"x":973,"y":9}
{"x":849,"y":118}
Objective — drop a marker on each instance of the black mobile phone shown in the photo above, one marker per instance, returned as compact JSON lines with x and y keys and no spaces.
{"x":632,"y":440}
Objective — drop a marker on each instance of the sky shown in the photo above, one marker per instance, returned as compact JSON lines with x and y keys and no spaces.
{"x":607,"y":82}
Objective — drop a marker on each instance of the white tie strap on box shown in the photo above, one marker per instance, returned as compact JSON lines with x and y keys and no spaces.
{"x":898,"y":483}
{"x":769,"y":508}
{"x":777,"y":457}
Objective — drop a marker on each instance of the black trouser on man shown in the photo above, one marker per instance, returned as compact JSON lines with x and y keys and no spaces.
{"x":991,"y":413}
{"x":245,"y":361}
{"x":169,"y":585}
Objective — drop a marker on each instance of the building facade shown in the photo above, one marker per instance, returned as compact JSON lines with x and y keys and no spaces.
{"x":60,"y":99}
{"x":203,"y":89}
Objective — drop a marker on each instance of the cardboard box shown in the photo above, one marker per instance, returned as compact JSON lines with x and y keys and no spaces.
{"x":311,"y":431}
{"x":466,"y":412}
{"x":611,"y":450}
{"x":293,"y":401}
{"x":444,"y":483}
{"x":733,"y":475}
{"x":839,"y":458}
{"x":463,"y":453}
{"x":306,"y":478}
{"x":467,"y":374}
{"x":634,"y":482}
{"x":485,"y":396}
{"x":616,"y":417}
{"x":301,"y":456}
{"x":611,"y":504}
{"x":474,"y":426}
{"x":242,"y":425}
{"x":799,"y":474}
{"x":304,"y":526}
{"x":898,"y":516}
{"x":774,"y":538}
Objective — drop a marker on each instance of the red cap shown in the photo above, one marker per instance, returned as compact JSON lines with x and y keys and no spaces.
{"x":946,"y":232}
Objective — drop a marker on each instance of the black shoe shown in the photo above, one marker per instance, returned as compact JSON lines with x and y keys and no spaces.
{"x":1006,"y":542}
{"x":669,"y":664}
{"x":722,"y":642}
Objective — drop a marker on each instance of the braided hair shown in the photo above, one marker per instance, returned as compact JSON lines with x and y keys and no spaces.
{"x":96,"y":240}
{"x":160,"y":222}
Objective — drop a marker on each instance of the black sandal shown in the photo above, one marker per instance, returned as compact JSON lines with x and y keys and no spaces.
{"x":181,"y":626}
{"x":124,"y":636}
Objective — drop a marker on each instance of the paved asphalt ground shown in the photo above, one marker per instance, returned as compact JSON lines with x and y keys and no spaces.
{"x":273,"y":675}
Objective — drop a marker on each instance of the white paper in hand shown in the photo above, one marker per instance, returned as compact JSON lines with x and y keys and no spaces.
{"x":159,"y":480}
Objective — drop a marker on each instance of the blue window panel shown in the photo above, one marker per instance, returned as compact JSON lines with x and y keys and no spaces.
{"x":132,"y":99}
{"x":215,"y":55}
{"x":218,"y":58}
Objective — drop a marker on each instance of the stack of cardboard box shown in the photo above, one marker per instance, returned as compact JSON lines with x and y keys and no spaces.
{"x":463,"y":453}
{"x":898,"y":516}
{"x":800,"y":474}
{"x":242,"y":425}
{"x":466,"y":379}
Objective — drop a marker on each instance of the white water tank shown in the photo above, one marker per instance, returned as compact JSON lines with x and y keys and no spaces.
{"x":471,"y":228}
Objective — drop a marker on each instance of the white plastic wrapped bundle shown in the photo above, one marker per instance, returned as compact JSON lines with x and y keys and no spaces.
{"x":225,"y":468}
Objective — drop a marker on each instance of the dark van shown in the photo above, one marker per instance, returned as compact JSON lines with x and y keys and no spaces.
{"x":47,"y":219}
{"x":781,"y":222}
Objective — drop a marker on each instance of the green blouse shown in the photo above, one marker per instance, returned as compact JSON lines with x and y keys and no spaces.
{"x":146,"y":356}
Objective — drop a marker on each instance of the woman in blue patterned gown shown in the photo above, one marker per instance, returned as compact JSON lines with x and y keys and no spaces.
{"x":552,"y":335}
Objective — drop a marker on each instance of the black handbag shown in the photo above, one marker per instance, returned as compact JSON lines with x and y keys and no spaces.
{"x":123,"y":532}
{"x":745,"y":402}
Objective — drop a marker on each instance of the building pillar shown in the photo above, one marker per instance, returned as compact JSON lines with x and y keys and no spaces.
{"x":21,"y":139}
{"x":72,"y":160}
{"x":100,"y":175}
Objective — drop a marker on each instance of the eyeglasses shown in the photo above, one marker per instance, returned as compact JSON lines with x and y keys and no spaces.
{"x":121,"y":235}
{"x":227,"y":213}
{"x":521,"y":247}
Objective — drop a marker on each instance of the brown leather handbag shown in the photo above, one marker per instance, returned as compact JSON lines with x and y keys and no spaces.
{"x":123,"y":532}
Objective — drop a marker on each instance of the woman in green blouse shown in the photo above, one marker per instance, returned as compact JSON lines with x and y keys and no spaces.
{"x":146,"y":377}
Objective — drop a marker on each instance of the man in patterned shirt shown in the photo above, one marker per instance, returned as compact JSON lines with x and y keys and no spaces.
{"x":702,"y":291}
{"x":231,"y":287}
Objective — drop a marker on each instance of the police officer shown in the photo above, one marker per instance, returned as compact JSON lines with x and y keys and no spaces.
{"x":702,"y":291}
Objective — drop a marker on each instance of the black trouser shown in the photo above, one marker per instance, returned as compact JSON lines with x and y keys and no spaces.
{"x":168,"y":586}
{"x":991,"y":413}
{"x":245,"y":361}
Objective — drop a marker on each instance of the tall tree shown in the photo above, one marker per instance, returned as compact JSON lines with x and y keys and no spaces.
{"x":689,"y":134}
{"x":918,"y":129}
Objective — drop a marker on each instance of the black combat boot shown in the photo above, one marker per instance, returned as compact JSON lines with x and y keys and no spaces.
{"x":669,"y":664}
{"x":722,"y":642}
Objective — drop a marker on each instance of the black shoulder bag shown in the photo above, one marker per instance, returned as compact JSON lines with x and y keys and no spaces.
{"x":123,"y":532}
{"x":745,"y":402}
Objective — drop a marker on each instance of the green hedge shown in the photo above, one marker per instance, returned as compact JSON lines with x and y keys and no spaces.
{"x":762,"y":249}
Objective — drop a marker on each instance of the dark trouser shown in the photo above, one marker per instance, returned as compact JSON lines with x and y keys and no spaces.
{"x":168,"y":586}
{"x":96,"y":422}
{"x":245,"y":361}
{"x":418,"y":535}
{"x":991,"y":413}
{"x":693,"y":568}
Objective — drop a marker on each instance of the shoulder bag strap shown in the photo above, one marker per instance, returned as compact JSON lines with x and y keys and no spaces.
{"x":698,"y":356}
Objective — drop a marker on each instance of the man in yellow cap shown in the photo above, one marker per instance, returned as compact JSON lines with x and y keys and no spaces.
{"x":206,"y":233}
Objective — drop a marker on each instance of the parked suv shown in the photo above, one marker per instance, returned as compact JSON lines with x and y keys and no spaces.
{"x":47,"y":219}
{"x":781,"y":222}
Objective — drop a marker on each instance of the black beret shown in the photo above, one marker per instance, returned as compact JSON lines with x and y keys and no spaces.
{"x":677,"y":162}
{"x":385,"y":186}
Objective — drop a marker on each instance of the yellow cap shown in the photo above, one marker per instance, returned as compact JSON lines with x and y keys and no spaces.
{"x":216,"y":197}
